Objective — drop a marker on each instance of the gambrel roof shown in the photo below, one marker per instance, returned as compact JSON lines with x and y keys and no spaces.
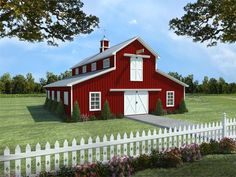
{"x":113,"y":50}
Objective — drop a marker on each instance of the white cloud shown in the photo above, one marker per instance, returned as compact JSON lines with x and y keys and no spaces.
{"x":133,"y":22}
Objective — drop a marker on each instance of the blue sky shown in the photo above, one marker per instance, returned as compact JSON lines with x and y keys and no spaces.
{"x":122,"y":20}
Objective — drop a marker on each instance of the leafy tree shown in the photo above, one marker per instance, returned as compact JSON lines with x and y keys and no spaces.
{"x":176,"y":75}
{"x":213,"y":86}
{"x":159,"y":108}
{"x":18,"y":84}
{"x":44,"y":20}
{"x":205,"y":85}
{"x":51,"y":78}
{"x":30,"y":84}
{"x":208,"y":20}
{"x":76,"y":112}
{"x":6,"y":80}
{"x":1,"y":86}
{"x":106,"y":112}
{"x":182,"y":107}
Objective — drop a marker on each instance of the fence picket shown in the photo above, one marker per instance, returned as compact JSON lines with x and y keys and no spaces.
{"x":47,"y":158}
{"x":154,"y":145}
{"x":90,"y":150}
{"x":175,"y":137}
{"x":7,"y":163}
{"x":38,"y":159}
{"x":112,"y":147}
{"x":131,"y":145}
{"x":82,"y":157}
{"x":137,"y":145}
{"x":118,"y":146}
{"x":18,"y":162}
{"x":160,"y":141}
{"x":170,"y":138}
{"x":180,"y":143}
{"x":105,"y":149}
{"x":65,"y":154}
{"x":97,"y":149}
{"x":125,"y":144}
{"x":189,"y":135}
{"x":57,"y":156}
{"x":201,"y":134}
{"x":28,"y":161}
{"x":143,"y":143}
{"x":149,"y":142}
{"x":74,"y":153}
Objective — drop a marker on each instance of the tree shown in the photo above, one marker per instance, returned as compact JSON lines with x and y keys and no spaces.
{"x":44,"y":20}
{"x":176,"y":75}
{"x":159,"y":108}
{"x":76,"y":112}
{"x":30,"y":84}
{"x":51,"y":78}
{"x":182,"y":107}
{"x":60,"y":110}
{"x":208,"y":20}
{"x":18,"y":84}
{"x":106,"y":112}
{"x":6,"y":80}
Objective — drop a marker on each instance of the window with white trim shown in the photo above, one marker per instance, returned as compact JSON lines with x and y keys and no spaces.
{"x":76,"y":71}
{"x":53,"y":95}
{"x":94,"y":101}
{"x":106,"y":63}
{"x":66,"y":99}
{"x":84,"y":69}
{"x":170,"y":99}
{"x":94,"y":66}
{"x":48,"y":92}
{"x":58,"y":96}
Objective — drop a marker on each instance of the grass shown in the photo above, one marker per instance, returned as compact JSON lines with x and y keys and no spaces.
{"x":23,"y":120}
{"x":208,"y":108}
{"x":209,"y":166}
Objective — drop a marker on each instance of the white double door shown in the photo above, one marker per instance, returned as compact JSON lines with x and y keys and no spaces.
{"x":135,"y":102}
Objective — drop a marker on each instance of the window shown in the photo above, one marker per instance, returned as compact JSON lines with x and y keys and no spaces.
{"x":53,"y":95}
{"x":66,"y":98}
{"x":77,"y":71}
{"x":106,"y":63}
{"x":170,"y":98}
{"x":48,"y":92}
{"x":58,"y":96}
{"x":136,"y":69}
{"x":93,"y":66}
{"x":94,"y":101}
{"x":84,"y":69}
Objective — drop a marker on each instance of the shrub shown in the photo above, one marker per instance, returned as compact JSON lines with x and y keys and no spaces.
{"x":87,"y":170}
{"x":46,"y":102}
{"x":66,"y":172}
{"x":159,"y":108}
{"x":106,"y":113}
{"x":155,"y":159}
{"x":76,"y":113}
{"x":190,"y":153}
{"x":49,"y":104}
{"x":215,"y":147}
{"x":171,"y":158}
{"x":205,"y":148}
{"x":60,"y":111}
{"x":227,"y":145}
{"x":84,"y":117}
{"x":120,"y":166}
{"x":54,"y":106}
{"x":92,"y":118}
{"x":182,"y":107}
{"x":141,"y":162}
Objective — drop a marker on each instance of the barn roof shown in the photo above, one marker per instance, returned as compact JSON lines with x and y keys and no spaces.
{"x":68,"y":82}
{"x":113,"y":50}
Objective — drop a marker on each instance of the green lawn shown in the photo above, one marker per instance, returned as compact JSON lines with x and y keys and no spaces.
{"x":208,"y":108}
{"x":24,"y":120}
{"x":209,"y":166}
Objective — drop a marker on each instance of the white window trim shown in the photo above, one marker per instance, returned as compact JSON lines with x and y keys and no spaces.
{"x":94,"y":66}
{"x":76,"y":71}
{"x":135,"y":79}
{"x":168,"y":105}
{"x":53,"y":95}
{"x":99,"y":109}
{"x":58,"y":96}
{"x":84,"y":69}
{"x":106,"y":63}
{"x":66,"y":102}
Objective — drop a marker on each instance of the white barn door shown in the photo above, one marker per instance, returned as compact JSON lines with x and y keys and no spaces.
{"x":135,"y":102}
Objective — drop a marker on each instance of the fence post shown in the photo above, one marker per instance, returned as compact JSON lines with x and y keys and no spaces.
{"x":224,"y":123}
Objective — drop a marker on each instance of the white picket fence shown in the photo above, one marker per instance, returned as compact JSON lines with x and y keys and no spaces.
{"x":105,"y":149}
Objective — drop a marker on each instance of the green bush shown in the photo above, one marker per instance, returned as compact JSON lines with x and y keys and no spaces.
{"x":54,"y":106}
{"x":159,"y":108}
{"x":155,"y":159}
{"x":205,"y":148}
{"x":141,"y":162}
{"x":106,"y":113}
{"x":182,"y":107}
{"x":190,"y":153}
{"x":171,"y":158}
{"x":76,"y":112}
{"x":227,"y":145}
{"x":60,"y":110}
{"x":49,"y":104}
{"x":46,"y":102}
{"x":92,"y":118}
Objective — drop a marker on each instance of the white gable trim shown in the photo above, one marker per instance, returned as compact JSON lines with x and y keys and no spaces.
{"x":136,"y":55}
{"x":145,"y":89}
{"x":171,"y":78}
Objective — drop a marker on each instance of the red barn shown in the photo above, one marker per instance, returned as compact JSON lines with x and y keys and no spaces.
{"x":125,"y":75}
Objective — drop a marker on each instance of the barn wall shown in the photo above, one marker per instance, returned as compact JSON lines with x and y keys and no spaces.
{"x":120,"y":78}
